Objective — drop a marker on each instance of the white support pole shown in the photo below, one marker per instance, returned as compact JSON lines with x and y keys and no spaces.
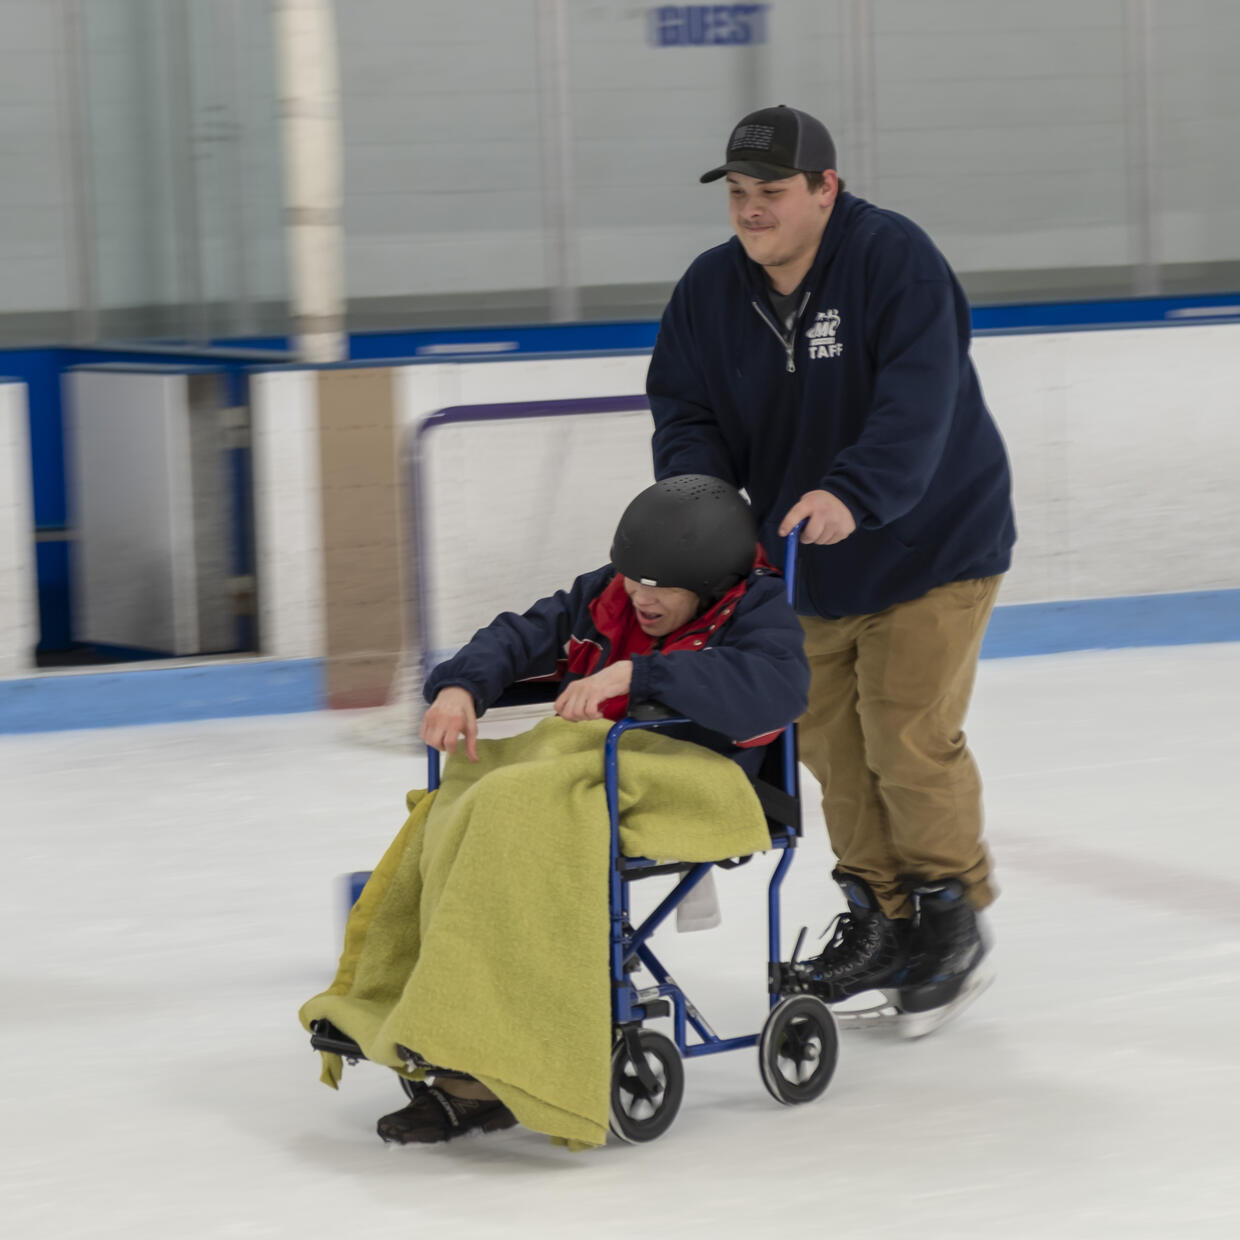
{"x":309,"y":86}
{"x":19,"y":614}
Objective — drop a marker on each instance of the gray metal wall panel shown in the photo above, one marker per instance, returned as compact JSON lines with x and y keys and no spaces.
{"x":34,"y":275}
{"x":1005,"y":129}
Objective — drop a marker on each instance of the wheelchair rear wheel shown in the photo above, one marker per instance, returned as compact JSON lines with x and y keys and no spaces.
{"x":798,"y":1049}
{"x":646,"y":1096}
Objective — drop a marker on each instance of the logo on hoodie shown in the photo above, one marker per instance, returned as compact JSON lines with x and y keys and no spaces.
{"x":821,"y":335}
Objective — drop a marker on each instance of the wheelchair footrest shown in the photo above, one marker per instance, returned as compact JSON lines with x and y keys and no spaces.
{"x":324,"y":1036}
{"x":419,"y":1063}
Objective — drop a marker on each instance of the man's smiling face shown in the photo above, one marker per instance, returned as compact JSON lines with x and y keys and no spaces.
{"x":780,"y":223}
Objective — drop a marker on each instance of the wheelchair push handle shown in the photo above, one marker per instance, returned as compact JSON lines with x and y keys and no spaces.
{"x":790,"y":561}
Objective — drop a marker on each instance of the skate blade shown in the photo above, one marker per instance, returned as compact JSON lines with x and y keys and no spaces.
{"x":919,"y":1024}
{"x":882,"y":1014}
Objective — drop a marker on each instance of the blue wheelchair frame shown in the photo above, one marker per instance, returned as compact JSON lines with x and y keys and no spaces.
{"x":628,"y":946}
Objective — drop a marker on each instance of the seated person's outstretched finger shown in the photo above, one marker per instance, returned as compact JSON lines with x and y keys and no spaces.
{"x":471,"y":733}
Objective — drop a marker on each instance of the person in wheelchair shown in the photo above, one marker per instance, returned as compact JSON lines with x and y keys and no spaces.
{"x":688,"y":614}
{"x":686,"y":576}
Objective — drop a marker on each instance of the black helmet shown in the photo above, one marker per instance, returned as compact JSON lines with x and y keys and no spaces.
{"x":694,"y":532}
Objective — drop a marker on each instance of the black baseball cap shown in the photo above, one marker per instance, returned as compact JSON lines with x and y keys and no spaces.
{"x":774,"y":143}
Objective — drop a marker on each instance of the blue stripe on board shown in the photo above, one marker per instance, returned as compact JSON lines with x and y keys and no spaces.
{"x":1122,"y":312}
{"x":1113,"y":623}
{"x":474,"y":343}
{"x":51,"y":702}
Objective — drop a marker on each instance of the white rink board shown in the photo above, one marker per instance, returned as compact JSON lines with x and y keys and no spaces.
{"x":1124,"y":450}
{"x":511,"y":511}
{"x":1123,"y":444}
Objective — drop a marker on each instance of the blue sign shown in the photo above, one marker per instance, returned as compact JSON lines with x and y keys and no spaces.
{"x":707,"y":25}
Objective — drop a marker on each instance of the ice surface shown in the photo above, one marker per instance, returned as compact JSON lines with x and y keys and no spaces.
{"x":170,"y":897}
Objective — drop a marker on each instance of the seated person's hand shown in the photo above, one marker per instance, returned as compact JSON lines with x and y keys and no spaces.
{"x":450,"y":716}
{"x":584,"y":698}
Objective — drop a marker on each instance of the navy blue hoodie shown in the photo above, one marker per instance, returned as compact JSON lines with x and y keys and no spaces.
{"x":876,"y":400}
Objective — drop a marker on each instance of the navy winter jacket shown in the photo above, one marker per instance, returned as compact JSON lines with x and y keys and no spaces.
{"x":738,"y":670}
{"x":875,"y":400}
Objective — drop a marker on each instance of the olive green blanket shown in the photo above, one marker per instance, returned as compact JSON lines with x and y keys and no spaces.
{"x":480,"y":941}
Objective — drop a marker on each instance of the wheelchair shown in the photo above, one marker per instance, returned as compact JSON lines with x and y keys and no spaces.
{"x":798,"y":1045}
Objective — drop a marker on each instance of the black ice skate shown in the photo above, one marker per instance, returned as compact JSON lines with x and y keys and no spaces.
{"x":948,"y":965}
{"x":867,"y":952}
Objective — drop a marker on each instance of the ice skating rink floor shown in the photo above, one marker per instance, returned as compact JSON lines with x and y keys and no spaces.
{"x":169,"y":900}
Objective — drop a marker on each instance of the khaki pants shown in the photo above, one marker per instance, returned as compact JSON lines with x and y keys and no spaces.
{"x":884,"y":736}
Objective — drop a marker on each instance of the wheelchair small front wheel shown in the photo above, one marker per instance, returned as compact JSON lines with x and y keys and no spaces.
{"x":645,"y":1098}
{"x":798,"y":1049}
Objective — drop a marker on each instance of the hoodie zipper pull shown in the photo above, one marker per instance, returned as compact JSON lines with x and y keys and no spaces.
{"x":789,"y":341}
{"x":792,"y":335}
